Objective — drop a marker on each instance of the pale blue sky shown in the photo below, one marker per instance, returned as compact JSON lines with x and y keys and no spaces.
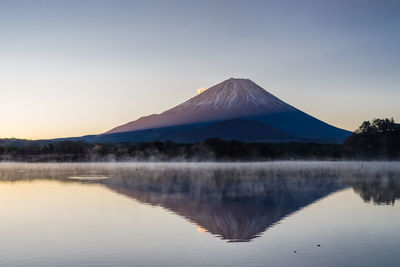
{"x":70,"y":68}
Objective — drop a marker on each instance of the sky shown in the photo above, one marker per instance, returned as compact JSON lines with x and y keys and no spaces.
{"x":71,"y":68}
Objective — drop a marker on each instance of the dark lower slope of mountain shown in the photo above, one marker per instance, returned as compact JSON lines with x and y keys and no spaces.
{"x":238,"y":129}
{"x":277,"y":127}
{"x":246,"y":130}
{"x":302,"y":125}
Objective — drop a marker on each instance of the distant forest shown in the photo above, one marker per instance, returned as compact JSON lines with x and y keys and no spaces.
{"x":376,"y":140}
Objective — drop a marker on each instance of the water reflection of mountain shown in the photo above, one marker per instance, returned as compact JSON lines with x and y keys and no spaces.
{"x":234,"y":206}
{"x":227,"y":212}
{"x":236,"y":203}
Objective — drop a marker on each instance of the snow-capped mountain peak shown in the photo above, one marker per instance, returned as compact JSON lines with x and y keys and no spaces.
{"x":234,"y":94}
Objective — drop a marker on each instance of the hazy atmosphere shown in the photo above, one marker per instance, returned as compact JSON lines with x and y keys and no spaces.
{"x":70,"y":68}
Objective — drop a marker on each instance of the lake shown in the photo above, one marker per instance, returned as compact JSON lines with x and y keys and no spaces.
{"x":200,"y":214}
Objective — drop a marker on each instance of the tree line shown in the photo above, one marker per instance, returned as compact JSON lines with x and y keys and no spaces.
{"x":379,"y":139}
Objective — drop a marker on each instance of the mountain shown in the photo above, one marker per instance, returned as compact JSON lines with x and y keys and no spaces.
{"x":233,"y":109}
{"x":233,"y":98}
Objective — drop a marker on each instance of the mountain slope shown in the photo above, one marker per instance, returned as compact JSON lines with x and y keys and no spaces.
{"x":229,"y":100}
{"x":233,"y":98}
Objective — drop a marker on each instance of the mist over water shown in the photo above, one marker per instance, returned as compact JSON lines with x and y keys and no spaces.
{"x":146,"y":214}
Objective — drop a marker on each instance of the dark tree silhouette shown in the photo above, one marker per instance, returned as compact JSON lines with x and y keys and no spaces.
{"x":377,"y":139}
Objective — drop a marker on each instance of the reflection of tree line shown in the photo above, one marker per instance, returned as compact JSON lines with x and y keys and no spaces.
{"x":234,"y":203}
{"x":379,"y":189}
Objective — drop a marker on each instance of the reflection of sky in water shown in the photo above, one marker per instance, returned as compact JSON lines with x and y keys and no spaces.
{"x":97,"y":223}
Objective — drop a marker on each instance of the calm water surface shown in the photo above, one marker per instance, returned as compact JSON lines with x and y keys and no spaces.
{"x":191,"y":214}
